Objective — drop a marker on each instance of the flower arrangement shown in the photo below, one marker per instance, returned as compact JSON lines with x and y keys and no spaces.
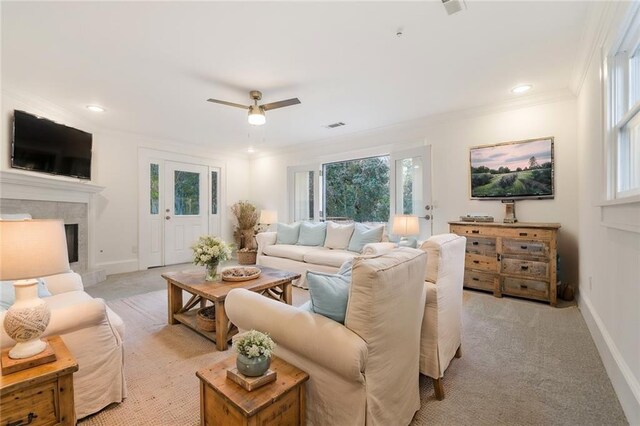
{"x":246,"y":216}
{"x":210,"y":250}
{"x":254,"y":344}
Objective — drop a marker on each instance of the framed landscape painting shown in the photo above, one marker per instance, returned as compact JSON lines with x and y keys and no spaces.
{"x":512,"y":170}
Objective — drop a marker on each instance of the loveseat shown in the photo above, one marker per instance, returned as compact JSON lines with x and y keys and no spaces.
{"x":325,"y":256}
{"x":366,"y":371}
{"x":93,"y":333}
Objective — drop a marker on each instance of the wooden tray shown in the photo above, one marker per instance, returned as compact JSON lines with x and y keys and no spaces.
{"x":246,"y":278}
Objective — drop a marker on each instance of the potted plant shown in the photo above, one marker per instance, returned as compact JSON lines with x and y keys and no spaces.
{"x":246,"y":216}
{"x":209,"y":251}
{"x":254,"y":353}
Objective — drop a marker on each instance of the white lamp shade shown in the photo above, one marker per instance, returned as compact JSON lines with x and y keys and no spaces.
{"x":268,"y":216}
{"x":405,"y":225}
{"x":32,"y":249}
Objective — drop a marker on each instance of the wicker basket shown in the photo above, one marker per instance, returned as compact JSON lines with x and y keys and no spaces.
{"x":247,"y":257}
{"x":206,"y":318}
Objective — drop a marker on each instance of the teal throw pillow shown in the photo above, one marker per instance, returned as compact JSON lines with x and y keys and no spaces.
{"x":330,"y":293}
{"x":287,"y":234}
{"x":345,"y":269}
{"x":312,"y":234}
{"x":8,"y":294}
{"x":363,"y":235}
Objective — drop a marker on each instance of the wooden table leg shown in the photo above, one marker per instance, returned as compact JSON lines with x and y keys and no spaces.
{"x":222,"y":326}
{"x":175,"y":301}
{"x":288,"y":298}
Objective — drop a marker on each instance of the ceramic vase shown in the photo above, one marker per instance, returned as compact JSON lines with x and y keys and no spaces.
{"x":26,"y":320}
{"x":253,"y":367}
{"x":211,"y":273}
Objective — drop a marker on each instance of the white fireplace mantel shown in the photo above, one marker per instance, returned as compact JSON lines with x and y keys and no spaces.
{"x":25,"y":186}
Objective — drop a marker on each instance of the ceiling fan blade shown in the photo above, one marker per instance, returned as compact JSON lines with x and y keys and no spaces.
{"x":217,"y":101}
{"x":280,"y":104}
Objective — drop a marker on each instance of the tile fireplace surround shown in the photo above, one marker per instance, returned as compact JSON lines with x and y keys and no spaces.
{"x":55,"y":198}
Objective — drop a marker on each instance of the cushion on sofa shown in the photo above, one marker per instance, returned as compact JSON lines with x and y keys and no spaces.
{"x":327,"y":257}
{"x":329,"y":294}
{"x":287,"y":234}
{"x":363,"y":235}
{"x":338,"y":236}
{"x":312,"y":233}
{"x":290,"y":251}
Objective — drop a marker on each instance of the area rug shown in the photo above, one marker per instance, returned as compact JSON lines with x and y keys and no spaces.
{"x":523,"y":363}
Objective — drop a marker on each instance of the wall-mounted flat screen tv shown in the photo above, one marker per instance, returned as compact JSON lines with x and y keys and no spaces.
{"x":45,"y":146}
{"x":513,"y":170}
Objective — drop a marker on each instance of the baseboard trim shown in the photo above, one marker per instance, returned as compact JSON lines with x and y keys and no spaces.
{"x":624,"y":383}
{"x":118,"y":266}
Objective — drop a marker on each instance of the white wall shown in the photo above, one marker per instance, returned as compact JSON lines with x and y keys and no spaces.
{"x":115,"y":166}
{"x":450,"y":138}
{"x":609,"y":256}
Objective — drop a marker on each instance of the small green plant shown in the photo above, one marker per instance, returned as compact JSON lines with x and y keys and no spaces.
{"x":254,"y":344}
{"x":210,"y":250}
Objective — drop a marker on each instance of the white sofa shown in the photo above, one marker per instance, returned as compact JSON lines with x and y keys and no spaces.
{"x":366,"y":371}
{"x":300,"y":259}
{"x":93,"y":333}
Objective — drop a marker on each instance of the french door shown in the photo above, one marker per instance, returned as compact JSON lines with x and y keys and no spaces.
{"x":410,"y":173}
{"x":179,"y":201}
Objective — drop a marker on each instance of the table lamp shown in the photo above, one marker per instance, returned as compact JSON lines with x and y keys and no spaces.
{"x":268,"y":217}
{"x":406,"y":225}
{"x":30,"y":249}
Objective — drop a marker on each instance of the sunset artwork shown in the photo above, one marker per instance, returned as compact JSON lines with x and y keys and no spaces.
{"x":514,"y":169}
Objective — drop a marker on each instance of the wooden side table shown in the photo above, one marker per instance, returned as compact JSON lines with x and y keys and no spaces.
{"x":223,"y":402}
{"x":41,"y":395}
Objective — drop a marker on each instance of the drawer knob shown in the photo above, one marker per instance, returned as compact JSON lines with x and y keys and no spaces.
{"x":29,"y":420}
{"x":475,"y":279}
{"x":524,"y":267}
{"x":523,"y":247}
{"x":476,"y":261}
{"x":523,"y":234}
{"x":524,"y":286}
{"x":475,"y":243}
{"x":475,"y":231}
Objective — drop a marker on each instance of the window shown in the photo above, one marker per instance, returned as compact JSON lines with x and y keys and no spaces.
{"x":214,"y":192}
{"x":303,"y":187}
{"x":154,"y":188}
{"x":623,"y":112}
{"x":357,"y":190}
{"x":186,"y":193}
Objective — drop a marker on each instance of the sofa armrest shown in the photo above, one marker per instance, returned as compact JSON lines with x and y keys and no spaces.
{"x":67,"y":320}
{"x":378,"y":248}
{"x":312,"y":336}
{"x":62,"y":283}
{"x":265,"y":239}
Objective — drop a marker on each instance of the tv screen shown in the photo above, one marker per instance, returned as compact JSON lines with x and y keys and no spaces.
{"x":42,"y":145}
{"x":513,"y":170}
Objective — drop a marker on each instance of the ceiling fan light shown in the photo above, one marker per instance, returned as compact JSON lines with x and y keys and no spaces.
{"x":256,"y":116}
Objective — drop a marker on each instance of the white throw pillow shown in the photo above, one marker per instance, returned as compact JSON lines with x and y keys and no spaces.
{"x":338,"y":236}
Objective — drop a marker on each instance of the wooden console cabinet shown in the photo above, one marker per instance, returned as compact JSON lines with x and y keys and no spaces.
{"x":515,"y":259}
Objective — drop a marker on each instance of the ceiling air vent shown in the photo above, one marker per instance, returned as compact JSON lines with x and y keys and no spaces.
{"x":453,"y":6}
{"x":334,"y":125}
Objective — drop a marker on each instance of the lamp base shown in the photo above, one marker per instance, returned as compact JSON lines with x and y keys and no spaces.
{"x":27,"y":349}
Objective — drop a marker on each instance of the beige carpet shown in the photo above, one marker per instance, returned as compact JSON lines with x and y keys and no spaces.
{"x":523,"y":363}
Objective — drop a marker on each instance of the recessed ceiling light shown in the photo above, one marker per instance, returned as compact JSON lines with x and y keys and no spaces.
{"x":95,"y":108}
{"x":250,"y":150}
{"x":521,"y":88}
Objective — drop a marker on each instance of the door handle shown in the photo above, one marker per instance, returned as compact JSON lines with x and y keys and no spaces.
{"x":427,"y":216}
{"x":167,"y":217}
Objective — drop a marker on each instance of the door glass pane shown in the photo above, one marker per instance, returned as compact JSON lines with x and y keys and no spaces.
{"x":154,"y":193}
{"x":214,"y":192}
{"x":186,"y":193}
{"x":303,"y":195}
{"x":357,"y":190}
{"x":409,"y":185}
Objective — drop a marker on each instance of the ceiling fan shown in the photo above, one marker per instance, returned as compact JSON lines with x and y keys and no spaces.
{"x":256,"y":112}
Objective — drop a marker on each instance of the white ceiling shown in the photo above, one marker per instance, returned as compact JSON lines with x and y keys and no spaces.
{"x":153,"y":65}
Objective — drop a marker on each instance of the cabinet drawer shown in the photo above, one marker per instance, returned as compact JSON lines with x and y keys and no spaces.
{"x":38,"y":401}
{"x":482,"y":246}
{"x":525,"y":288}
{"x":527,"y":268}
{"x":479,"y":280}
{"x":539,"y":234}
{"x":525,"y":247}
{"x":484,"y":263}
{"x":470,"y":230}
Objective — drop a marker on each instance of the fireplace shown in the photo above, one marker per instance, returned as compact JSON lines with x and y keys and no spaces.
{"x":72,"y":241}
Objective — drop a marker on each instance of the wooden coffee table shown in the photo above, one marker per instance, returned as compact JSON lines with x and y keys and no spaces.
{"x":272,"y":283}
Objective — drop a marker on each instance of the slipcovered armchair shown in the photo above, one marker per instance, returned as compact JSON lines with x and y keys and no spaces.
{"x":363,"y":372}
{"x":442,"y":323}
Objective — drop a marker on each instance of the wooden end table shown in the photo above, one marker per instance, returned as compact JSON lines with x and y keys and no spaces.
{"x":272,"y":283}
{"x":223,"y":402}
{"x":41,"y":395}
